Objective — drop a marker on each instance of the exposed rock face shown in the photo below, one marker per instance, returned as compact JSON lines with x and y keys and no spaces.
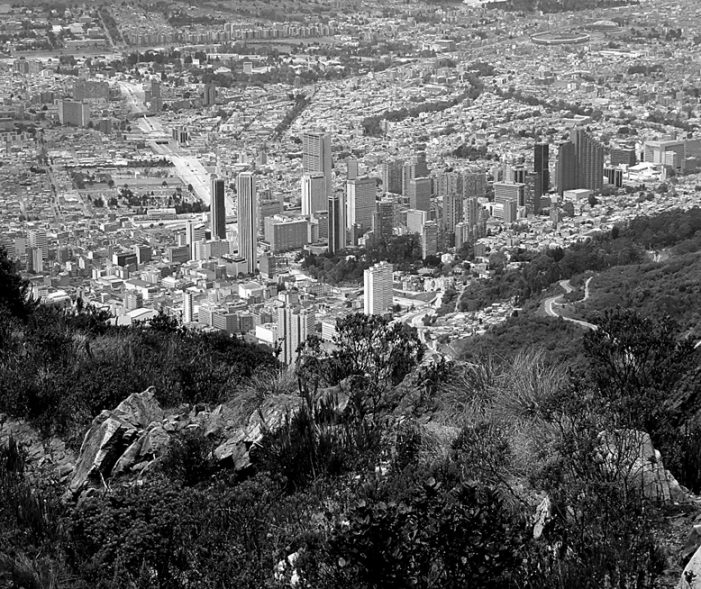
{"x":631,"y":456}
{"x":129,"y":438}
{"x":46,"y":459}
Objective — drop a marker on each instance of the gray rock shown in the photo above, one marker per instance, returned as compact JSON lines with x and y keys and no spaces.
{"x":691,"y":576}
{"x":631,"y":456}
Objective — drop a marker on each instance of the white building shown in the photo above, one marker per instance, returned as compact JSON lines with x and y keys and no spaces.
{"x":378,"y":289}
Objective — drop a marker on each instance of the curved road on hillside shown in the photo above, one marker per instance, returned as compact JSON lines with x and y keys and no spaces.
{"x":567,"y":287}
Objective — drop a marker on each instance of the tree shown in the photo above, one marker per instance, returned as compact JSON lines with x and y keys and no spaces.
{"x":14,"y":290}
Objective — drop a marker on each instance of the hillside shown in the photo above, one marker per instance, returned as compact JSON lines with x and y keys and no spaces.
{"x":551,"y":458}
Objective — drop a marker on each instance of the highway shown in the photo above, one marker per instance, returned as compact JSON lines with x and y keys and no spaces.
{"x":549,"y":303}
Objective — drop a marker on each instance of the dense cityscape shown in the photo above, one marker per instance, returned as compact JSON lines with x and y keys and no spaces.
{"x":217,"y":166}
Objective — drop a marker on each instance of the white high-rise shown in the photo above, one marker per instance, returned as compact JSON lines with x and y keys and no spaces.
{"x":378,"y":289}
{"x":360,"y":202}
{"x":188,"y":307}
{"x":247,"y":219}
{"x":314,"y":196}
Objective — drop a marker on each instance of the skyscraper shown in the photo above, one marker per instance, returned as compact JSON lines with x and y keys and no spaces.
{"x":247,"y":220}
{"x":188,"y":307}
{"x":337,"y":222}
{"x":314,"y":196}
{"x":194,"y":235}
{"x":590,"y":160}
{"x":217,"y":208}
{"x":541,"y":166}
{"x":378,"y":289}
{"x":316,"y":156}
{"x":360,"y":202}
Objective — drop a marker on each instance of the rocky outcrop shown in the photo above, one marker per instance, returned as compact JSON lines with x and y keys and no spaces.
{"x":128,"y":439}
{"x":631,"y":457}
{"x":46,"y":459}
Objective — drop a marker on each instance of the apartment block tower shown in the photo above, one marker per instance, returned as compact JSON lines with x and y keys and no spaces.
{"x":247,"y":219}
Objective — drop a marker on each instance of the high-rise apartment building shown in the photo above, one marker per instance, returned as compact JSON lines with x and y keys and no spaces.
{"x":360,"y":202}
{"x":622,"y":155}
{"x":316,"y":156}
{"x":429,"y":239}
{"x":314,"y":195}
{"x":541,"y":166}
{"x":474,"y":184}
{"x":294,"y":324}
{"x":378,"y":289}
{"x":188,"y":307}
{"x":337,"y":222}
{"x":195,"y":233}
{"x":218,"y":209}
{"x":247,"y":219}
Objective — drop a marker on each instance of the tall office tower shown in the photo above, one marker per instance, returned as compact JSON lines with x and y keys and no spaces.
{"x":566,"y":169}
{"x":36,"y":238}
{"x":248,"y":219}
{"x":314,"y":197}
{"x":429,"y":239}
{"x":590,"y":160}
{"x":294,"y":325}
{"x":351,"y":168}
{"x":217,"y":208}
{"x":337,"y":223}
{"x":378,"y":289}
{"x":316,"y":156}
{"x":419,"y":194}
{"x":188,"y":307}
{"x":452,"y":211}
{"x":392,"y":173}
{"x":386,"y":213}
{"x":518,"y":174}
{"x":194,"y":235}
{"x":541,"y":166}
{"x":360,"y":202}
{"x":474,"y":184}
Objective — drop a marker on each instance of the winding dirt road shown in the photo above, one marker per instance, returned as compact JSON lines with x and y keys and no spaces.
{"x":549,"y":303}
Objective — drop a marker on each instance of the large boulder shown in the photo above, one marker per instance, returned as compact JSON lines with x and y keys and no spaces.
{"x":691,"y":576}
{"x":631,"y":457}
